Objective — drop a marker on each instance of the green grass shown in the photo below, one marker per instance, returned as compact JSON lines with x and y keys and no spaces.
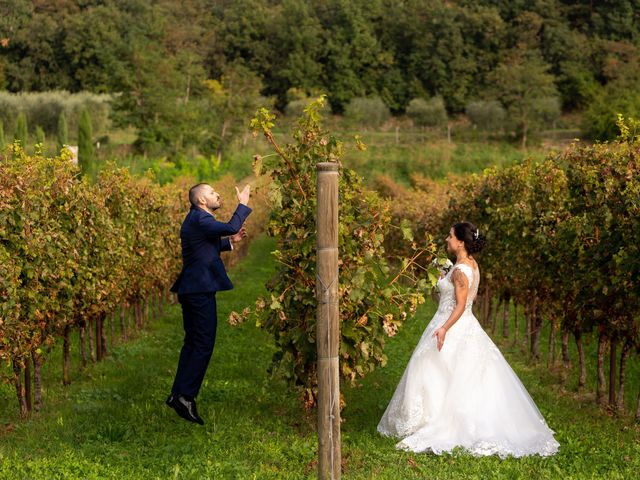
{"x":411,"y":150}
{"x":434,"y":159}
{"x":412,"y":153}
{"x":427,"y":155}
{"x":112,"y":422}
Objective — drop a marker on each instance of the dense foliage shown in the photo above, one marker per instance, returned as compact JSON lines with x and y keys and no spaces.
{"x":44,"y":109}
{"x":374,"y":299}
{"x":562,"y":247}
{"x":74,"y":253}
{"x":157,"y":55}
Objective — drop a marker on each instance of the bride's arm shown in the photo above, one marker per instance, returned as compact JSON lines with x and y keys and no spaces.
{"x":461,"y":285}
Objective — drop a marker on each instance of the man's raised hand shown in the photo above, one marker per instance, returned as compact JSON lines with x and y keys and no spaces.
{"x":243,"y":196}
{"x":239,"y":236}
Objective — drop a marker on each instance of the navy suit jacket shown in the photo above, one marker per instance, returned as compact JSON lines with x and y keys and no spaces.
{"x":201,"y":238}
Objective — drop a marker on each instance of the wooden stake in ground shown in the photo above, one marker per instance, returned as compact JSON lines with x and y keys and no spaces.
{"x":328,"y":327}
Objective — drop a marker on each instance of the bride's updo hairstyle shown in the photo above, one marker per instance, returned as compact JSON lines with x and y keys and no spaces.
{"x":473,"y":240}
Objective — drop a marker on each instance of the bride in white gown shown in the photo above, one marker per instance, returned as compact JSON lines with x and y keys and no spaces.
{"x":458,"y":390}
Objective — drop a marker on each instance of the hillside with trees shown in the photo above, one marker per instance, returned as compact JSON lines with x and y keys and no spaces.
{"x":167,"y":63}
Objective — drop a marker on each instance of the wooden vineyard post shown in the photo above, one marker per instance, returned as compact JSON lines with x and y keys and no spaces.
{"x":328,"y":327}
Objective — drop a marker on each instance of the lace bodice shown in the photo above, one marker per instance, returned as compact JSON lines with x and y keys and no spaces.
{"x":447,"y":290}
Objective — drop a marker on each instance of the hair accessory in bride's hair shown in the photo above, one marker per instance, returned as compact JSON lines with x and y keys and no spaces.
{"x":477,"y":234}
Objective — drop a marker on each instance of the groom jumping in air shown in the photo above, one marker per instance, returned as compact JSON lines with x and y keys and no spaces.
{"x":203,"y":274}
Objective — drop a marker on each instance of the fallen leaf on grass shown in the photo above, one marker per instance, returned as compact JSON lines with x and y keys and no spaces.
{"x":8,"y":427}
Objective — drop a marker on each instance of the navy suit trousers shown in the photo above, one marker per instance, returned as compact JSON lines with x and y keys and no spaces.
{"x":200,"y":324}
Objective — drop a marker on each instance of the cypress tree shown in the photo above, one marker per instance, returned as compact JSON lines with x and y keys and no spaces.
{"x":85,"y":143}
{"x":63,"y":131}
{"x":21,"y":133}
{"x":40,"y":136}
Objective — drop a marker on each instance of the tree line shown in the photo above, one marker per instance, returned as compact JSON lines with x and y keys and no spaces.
{"x":158,"y":57}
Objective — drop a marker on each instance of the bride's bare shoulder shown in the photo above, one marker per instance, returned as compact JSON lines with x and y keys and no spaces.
{"x":470,"y":262}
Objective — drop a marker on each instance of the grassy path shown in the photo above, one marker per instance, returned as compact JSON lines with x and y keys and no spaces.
{"x":112,"y":422}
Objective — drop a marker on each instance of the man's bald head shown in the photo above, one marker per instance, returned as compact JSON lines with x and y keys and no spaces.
{"x":196,"y":192}
{"x":204,"y":196}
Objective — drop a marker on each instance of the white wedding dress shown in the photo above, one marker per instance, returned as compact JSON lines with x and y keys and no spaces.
{"x":465,"y":395}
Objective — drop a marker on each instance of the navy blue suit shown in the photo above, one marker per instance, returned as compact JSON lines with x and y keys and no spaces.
{"x":203,"y":274}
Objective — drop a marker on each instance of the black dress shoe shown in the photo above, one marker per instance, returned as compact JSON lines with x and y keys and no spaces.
{"x":185,"y":408}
